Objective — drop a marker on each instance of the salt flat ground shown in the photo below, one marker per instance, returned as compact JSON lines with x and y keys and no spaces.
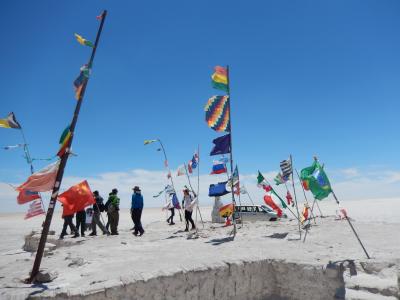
{"x":93,"y":263}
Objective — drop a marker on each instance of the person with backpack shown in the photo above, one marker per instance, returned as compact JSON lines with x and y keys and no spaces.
{"x":188,"y":205}
{"x":113,"y":211}
{"x":136,"y":209}
{"x":98,"y":208}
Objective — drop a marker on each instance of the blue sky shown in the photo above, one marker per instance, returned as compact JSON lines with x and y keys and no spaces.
{"x":307,"y":77}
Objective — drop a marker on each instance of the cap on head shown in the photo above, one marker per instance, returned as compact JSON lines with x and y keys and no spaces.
{"x":114,"y":191}
{"x":136,"y":189}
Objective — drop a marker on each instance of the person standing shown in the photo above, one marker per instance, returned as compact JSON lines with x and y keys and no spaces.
{"x":81,"y":221}
{"x":187,"y":204}
{"x":97,"y":209}
{"x":113,"y":211}
{"x":136,"y":209}
{"x":170,"y":220}
{"x":68,"y":222}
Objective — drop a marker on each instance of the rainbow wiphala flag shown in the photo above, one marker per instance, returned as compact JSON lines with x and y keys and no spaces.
{"x":217,"y":113}
{"x":220,"y":79}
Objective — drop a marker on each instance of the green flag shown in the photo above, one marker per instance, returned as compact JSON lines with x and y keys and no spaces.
{"x":314,"y":179}
{"x":260,"y":178}
{"x":282,"y":202}
{"x":279,"y":179}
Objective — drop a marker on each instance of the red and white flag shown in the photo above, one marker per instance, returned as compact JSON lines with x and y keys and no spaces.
{"x":41,"y":181}
{"x":35,"y":209}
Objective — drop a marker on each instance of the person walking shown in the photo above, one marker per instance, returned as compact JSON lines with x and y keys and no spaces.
{"x":81,"y":221}
{"x":98,"y":207}
{"x":136,"y":209}
{"x":68,"y":222}
{"x":187,"y":204}
{"x":113,"y":211}
{"x":170,"y":220}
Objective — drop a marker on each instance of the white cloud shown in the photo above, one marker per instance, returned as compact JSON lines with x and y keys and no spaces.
{"x":349,"y":184}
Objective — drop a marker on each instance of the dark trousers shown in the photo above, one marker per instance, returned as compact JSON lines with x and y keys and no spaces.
{"x":81,"y":221}
{"x":96,"y":222}
{"x":137,"y":216}
{"x":188,"y":218}
{"x":68,"y":222}
{"x":113,"y":218}
{"x":170,"y":220}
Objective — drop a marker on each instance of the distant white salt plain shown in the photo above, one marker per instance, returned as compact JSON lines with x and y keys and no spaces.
{"x":106,"y":261}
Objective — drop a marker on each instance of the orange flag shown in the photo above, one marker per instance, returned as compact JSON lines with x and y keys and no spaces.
{"x":270,"y":202}
{"x":76,"y":198}
{"x":41,"y":181}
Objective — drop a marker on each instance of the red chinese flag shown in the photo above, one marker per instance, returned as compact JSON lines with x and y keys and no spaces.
{"x":268,"y":200}
{"x":76,"y":198}
{"x":26,"y":196}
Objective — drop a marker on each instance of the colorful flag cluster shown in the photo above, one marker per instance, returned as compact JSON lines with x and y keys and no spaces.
{"x":218,"y":114}
{"x":35,"y":209}
{"x":76,"y":198}
{"x":262,"y":182}
{"x":220,"y":79}
{"x":315,"y":180}
{"x":10,"y":122}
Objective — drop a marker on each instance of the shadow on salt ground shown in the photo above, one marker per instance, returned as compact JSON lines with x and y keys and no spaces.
{"x":42,"y":287}
{"x":217,"y":242}
{"x":277,"y":235}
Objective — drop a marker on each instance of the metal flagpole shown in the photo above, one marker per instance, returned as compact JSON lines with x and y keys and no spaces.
{"x":352,"y":228}
{"x":305,"y":197}
{"x":166,"y":164}
{"x":295,"y":197}
{"x":63,"y":163}
{"x":231,"y":153}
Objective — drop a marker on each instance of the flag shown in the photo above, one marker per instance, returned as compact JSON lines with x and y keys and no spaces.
{"x":83,"y":41}
{"x":222,"y":145}
{"x":10,"y":122}
{"x":218,"y":167}
{"x":234,"y":181}
{"x":304,"y":214}
{"x":217,"y":113}
{"x":13,"y":146}
{"x":279,"y":179}
{"x":220,"y":79}
{"x":146,"y":142}
{"x":80,"y":81}
{"x":218,"y":190}
{"x":193,"y":163}
{"x":169,"y":175}
{"x":64,"y":141}
{"x":226,"y":210}
{"x":270,"y":202}
{"x":35,"y":209}
{"x":314,"y":179}
{"x":243,"y":190}
{"x":76,"y":198}
{"x":181,"y":170}
{"x":26,"y":196}
{"x":260,"y":179}
{"x":99,"y":17}
{"x":159,"y":193}
{"x":289,"y":199}
{"x":169,"y":189}
{"x":286,"y":167}
{"x":41,"y":181}
{"x":267,"y":187}
{"x":175,"y":201}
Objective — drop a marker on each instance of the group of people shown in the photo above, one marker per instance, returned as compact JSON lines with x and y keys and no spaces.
{"x":111,"y":207}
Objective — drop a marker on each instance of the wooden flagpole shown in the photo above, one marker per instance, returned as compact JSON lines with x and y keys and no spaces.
{"x":63,"y":163}
{"x":295,"y":197}
{"x":231,"y":152}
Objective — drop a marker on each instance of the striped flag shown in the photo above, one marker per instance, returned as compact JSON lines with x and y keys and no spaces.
{"x":286,"y":167}
{"x":35,"y":209}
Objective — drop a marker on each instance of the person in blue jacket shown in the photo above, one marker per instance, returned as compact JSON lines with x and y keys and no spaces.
{"x":136,"y":210}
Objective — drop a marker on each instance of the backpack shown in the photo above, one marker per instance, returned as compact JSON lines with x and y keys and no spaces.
{"x":107,"y":205}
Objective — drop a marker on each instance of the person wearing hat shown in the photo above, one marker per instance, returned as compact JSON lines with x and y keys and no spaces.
{"x":113,"y":211}
{"x":136,"y":211}
{"x":187,"y":204}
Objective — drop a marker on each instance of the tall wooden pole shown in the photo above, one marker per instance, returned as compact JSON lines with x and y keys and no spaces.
{"x":63,"y":163}
{"x":231,"y":152}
